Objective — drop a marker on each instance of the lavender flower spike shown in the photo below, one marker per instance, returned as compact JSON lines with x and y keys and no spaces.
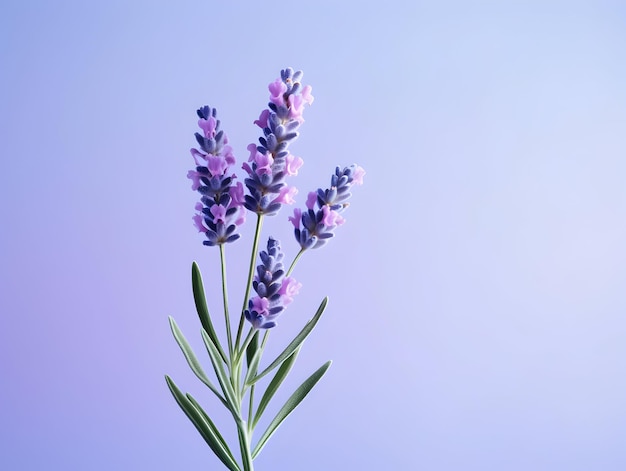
{"x":314,"y":227}
{"x":220,"y":210}
{"x":274,"y":290}
{"x":270,"y":162}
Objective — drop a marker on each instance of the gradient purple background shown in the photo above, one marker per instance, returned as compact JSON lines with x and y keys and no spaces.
{"x":477,"y":316}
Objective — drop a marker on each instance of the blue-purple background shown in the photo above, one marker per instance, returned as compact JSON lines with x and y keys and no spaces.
{"x":477,"y":314}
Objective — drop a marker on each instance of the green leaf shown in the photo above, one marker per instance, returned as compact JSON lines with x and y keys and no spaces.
{"x":222,"y":377}
{"x":253,"y":365}
{"x":218,"y":435}
{"x":295,"y":399}
{"x":253,"y":346}
{"x":277,"y":380}
{"x":192,"y":359}
{"x":201,"y":307}
{"x":295,"y":343}
{"x":206,"y":429}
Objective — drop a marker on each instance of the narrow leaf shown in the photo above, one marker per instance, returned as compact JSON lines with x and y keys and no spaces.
{"x":295,"y":343}
{"x":295,"y":399}
{"x":253,"y":365}
{"x":211,"y":425}
{"x":253,"y":346}
{"x":201,"y":307}
{"x":197,"y":418}
{"x":277,"y":380}
{"x":192,"y":359}
{"x":222,"y":377}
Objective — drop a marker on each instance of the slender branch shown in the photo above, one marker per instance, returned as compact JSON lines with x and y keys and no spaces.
{"x":225,"y":296}
{"x":255,"y":248}
{"x":295,"y":260}
{"x":265,"y":337}
{"x":251,"y":412}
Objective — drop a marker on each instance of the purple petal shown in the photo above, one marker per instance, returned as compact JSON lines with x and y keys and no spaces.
{"x":293,"y":164}
{"x":331,"y":218}
{"x":198,"y":222}
{"x":219,"y":212}
{"x":311,"y":199}
{"x":296,"y":218}
{"x":208,"y":126}
{"x":357,"y":178}
{"x":262,"y":121}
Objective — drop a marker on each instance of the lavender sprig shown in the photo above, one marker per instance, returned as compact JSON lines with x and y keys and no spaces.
{"x":313,"y":227}
{"x":274,"y":290}
{"x":220,"y":210}
{"x":271,"y":162}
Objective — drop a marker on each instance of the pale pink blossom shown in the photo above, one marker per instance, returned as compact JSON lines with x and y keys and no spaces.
{"x":286,"y":194}
{"x":311,"y":199}
{"x":217,"y":165}
{"x":293,"y":164}
{"x":195,"y":179}
{"x":289,"y":288}
{"x":196,"y":154}
{"x":277,"y":89}
{"x":357,"y":178}
{"x":296,"y":218}
{"x":262,"y":121}
{"x":208,"y":126}
{"x":306,"y":94}
{"x":331,"y":218}
{"x":260,"y":305}
{"x":198,"y":222}
{"x":219,"y":213}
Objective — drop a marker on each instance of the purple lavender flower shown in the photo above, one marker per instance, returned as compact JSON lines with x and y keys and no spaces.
{"x":314,"y":227}
{"x":271,"y":162}
{"x":274,"y":290}
{"x":221,"y":209}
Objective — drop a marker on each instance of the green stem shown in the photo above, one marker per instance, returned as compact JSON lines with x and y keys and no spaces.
{"x":255,"y":247}
{"x":234,"y":379}
{"x":225,"y":296}
{"x":295,"y":260}
{"x":251,"y":411}
{"x":240,"y":353}
{"x":251,"y":402}
{"x":244,"y":444}
{"x":265,"y":337}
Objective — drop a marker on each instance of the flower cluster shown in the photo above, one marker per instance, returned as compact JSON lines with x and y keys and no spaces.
{"x":314,"y":227}
{"x":274,"y":290}
{"x":271,"y":162}
{"x":221,"y":208}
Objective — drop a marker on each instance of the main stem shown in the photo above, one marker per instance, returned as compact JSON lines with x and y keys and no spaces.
{"x":255,"y":248}
{"x":244,"y":443}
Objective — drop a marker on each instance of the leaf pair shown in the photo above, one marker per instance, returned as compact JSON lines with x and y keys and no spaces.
{"x":204,"y":425}
{"x":294,"y":345}
{"x":192,"y":360}
{"x":203,"y":311}
{"x":295,"y":399}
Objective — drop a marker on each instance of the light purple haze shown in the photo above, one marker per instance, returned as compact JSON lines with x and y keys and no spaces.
{"x":477,"y":315}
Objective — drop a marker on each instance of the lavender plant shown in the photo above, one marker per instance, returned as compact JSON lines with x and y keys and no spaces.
{"x":220,"y":212}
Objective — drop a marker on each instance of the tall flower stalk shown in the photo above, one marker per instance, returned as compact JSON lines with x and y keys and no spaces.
{"x":220,"y":212}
